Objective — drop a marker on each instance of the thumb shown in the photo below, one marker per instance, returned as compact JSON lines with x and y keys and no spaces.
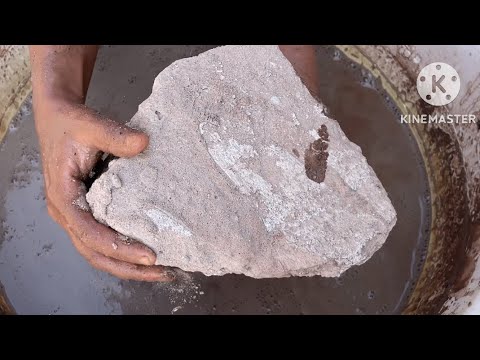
{"x":112,"y":137}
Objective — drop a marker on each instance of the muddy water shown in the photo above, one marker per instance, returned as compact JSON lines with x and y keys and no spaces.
{"x":42,"y":273}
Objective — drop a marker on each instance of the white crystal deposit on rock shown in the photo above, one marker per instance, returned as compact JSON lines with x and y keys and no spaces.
{"x":244,"y":174}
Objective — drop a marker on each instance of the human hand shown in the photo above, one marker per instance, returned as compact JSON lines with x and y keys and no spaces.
{"x":72,"y":137}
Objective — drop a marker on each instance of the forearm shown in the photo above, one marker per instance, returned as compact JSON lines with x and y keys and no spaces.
{"x":303,"y":60}
{"x":61,"y":72}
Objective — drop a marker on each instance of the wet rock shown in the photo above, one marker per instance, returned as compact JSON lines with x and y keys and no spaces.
{"x":244,"y":174}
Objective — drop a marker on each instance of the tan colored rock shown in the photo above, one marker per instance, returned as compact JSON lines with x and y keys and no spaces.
{"x":244,"y":174}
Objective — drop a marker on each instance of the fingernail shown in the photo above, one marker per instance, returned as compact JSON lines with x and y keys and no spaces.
{"x":137,"y":142}
{"x":170,"y":275}
{"x":146,"y":260}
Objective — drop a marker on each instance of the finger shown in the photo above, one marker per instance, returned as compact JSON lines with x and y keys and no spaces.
{"x":127,"y":271}
{"x":75,"y":214}
{"x":121,"y":269}
{"x":110,"y":136}
{"x":106,"y":241}
{"x":101,"y":238}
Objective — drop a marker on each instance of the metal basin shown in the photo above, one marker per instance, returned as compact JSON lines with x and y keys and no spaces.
{"x":432,"y":173}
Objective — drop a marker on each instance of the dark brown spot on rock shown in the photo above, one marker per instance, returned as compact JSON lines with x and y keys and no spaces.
{"x":296,"y":153}
{"x":316,"y":156}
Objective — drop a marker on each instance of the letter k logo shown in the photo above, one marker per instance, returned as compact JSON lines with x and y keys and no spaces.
{"x":438,"y":84}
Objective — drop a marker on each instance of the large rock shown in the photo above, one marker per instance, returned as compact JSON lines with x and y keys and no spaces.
{"x":244,"y":174}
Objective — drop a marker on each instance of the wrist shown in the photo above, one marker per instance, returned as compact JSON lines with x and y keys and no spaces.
{"x":49,"y":109}
{"x":56,"y":97}
{"x":61,"y":73}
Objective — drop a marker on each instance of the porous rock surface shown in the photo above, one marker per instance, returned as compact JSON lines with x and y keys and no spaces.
{"x":244,"y":174}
